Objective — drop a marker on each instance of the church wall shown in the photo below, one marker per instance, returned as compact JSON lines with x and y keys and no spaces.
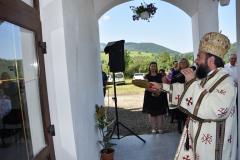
{"x":102,"y":6}
{"x":84,"y":72}
{"x":57,"y":79}
{"x":73,"y":76}
{"x":203,"y":21}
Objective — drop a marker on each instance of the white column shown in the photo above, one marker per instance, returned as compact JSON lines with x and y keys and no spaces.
{"x":84,"y":73}
{"x":203,"y":21}
{"x":238,"y":54}
{"x":74,"y":78}
{"x":57,"y":79}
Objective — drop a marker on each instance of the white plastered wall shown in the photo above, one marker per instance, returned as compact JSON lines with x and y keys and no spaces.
{"x":57,"y":79}
{"x":73,"y":71}
{"x":102,"y":6}
{"x":84,"y":72}
{"x":203,"y":21}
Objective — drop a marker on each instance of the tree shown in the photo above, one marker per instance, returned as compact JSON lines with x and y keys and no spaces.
{"x":127,"y":58}
{"x":164,"y":60}
{"x":139,"y":61}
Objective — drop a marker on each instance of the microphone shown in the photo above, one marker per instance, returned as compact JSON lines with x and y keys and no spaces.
{"x":180,"y":75}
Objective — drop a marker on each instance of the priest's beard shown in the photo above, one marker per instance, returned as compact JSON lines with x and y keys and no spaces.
{"x":202,"y":71}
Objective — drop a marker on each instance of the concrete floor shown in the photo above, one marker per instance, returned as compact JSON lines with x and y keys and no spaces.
{"x":157,"y":147}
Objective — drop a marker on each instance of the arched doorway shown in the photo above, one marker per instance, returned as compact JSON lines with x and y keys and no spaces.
{"x":203,"y":13}
{"x":195,"y":26}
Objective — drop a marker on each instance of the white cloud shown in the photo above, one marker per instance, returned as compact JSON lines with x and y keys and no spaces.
{"x":106,"y":18}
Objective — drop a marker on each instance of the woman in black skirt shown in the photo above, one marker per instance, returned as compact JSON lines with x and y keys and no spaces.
{"x":155,"y":104}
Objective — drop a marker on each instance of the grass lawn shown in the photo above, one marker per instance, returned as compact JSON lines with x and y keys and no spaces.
{"x":126,"y":89}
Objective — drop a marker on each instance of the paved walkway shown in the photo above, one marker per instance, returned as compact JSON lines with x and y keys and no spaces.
{"x":157,"y":147}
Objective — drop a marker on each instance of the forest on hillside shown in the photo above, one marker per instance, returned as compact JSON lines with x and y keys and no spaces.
{"x":138,"y":61}
{"x":12,"y":67}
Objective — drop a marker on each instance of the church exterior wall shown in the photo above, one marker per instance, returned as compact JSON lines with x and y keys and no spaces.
{"x":73,"y":71}
{"x":73,"y":67}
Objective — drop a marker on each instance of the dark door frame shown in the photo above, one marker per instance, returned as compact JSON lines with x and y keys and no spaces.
{"x":23,"y":15}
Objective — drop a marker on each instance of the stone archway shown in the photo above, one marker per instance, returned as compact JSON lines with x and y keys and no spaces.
{"x":70,"y":29}
{"x":204,"y":15}
{"x":101,"y":7}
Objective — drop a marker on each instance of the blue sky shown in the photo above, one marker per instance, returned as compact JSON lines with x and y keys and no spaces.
{"x":10,"y":41}
{"x":170,"y":26}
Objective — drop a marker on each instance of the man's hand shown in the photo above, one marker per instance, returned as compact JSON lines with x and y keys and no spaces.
{"x":188,"y":73}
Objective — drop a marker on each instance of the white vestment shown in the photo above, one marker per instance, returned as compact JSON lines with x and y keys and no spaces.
{"x":212,"y":126}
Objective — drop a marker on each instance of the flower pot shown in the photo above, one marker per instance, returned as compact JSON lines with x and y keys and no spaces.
{"x":145,"y":15}
{"x":107,"y":154}
{"x":224,"y":2}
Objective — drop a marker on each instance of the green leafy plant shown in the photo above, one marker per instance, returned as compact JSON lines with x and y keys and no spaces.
{"x":104,"y":124}
{"x":150,"y":9}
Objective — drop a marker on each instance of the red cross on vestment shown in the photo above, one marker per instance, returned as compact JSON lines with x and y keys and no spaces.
{"x":187,"y":157}
{"x":207,"y":138}
{"x":177,"y":97}
{"x":223,"y":92}
{"x":222,"y":112}
{"x":189,"y":101}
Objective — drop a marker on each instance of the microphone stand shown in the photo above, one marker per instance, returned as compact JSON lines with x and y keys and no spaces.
{"x":117,"y":123}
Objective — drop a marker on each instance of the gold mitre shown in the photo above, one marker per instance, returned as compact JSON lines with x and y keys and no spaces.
{"x":215,"y":43}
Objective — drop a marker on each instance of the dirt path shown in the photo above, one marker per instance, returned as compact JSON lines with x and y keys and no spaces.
{"x":126,"y":101}
{"x":130,"y":114}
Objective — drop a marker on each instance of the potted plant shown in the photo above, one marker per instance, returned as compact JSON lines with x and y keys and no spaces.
{"x":144,"y":11}
{"x":103,"y":124}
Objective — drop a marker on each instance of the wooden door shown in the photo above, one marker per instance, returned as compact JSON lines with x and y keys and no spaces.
{"x":25,"y":127}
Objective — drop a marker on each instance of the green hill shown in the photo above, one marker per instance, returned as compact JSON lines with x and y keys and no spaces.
{"x":144,"y":47}
{"x":148,"y":47}
{"x":155,"y":48}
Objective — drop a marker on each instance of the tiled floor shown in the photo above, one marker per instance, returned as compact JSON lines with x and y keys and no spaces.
{"x":157,"y":147}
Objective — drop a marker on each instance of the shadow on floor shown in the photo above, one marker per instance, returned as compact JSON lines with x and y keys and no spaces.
{"x":157,"y":147}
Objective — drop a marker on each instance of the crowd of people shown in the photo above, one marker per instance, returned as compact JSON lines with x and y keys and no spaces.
{"x":156,"y":104}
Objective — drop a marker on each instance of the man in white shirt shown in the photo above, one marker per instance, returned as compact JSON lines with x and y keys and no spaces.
{"x":231,"y":67}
